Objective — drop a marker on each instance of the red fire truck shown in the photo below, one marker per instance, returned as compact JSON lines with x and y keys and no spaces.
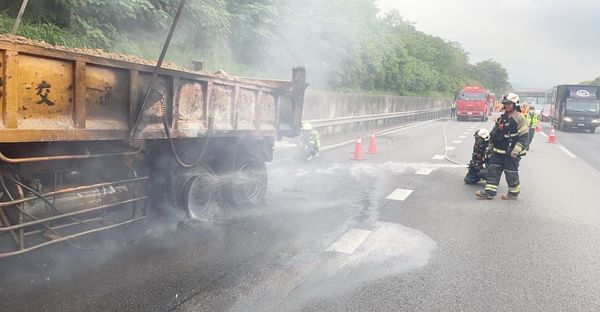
{"x":473,"y":103}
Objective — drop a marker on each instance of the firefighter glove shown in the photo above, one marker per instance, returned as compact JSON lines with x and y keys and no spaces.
{"x":514,"y":153}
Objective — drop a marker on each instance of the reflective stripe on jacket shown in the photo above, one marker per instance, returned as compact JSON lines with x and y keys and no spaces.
{"x":503,"y":152}
{"x":510,"y":133}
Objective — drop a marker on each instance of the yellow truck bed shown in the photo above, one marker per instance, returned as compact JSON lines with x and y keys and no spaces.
{"x":50,"y":93}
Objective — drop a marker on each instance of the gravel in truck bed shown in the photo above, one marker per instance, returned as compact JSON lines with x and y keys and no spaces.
{"x":110,"y":55}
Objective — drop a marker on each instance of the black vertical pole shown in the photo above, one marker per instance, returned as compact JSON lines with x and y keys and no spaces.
{"x":163,"y":53}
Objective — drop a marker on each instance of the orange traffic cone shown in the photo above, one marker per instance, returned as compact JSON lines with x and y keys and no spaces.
{"x":372,"y":145}
{"x":552,"y":137}
{"x":538,"y":128}
{"x":358,"y":150}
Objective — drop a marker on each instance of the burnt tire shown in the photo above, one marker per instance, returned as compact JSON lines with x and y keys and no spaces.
{"x":249,"y":181}
{"x":197,"y":190}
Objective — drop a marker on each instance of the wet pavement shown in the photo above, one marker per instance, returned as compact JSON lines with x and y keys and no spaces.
{"x":399,"y":231}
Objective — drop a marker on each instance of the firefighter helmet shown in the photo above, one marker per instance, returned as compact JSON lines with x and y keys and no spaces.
{"x":510,"y":98}
{"x":483,"y":133}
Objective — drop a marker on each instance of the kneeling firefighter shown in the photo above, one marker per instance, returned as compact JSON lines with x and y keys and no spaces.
{"x":480,"y":158}
{"x":309,"y":142}
{"x":508,"y":140}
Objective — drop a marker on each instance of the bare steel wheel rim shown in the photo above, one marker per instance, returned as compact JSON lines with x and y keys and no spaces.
{"x":200,"y":196}
{"x":252,"y":183}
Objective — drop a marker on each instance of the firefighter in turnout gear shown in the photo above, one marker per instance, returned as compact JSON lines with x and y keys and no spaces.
{"x":479,"y":159}
{"x":508,"y":140}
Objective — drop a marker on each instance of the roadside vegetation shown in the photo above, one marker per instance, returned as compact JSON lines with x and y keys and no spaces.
{"x":346,"y":45}
{"x":595,"y":82}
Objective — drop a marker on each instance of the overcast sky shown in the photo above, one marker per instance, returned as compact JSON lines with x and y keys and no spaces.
{"x":540,"y":42}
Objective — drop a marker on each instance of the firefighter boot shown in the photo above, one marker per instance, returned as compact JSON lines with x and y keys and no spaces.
{"x":472,"y":177}
{"x":483,"y":195}
{"x":509,"y":197}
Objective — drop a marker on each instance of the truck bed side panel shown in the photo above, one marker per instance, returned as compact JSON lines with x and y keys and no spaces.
{"x":54,"y":95}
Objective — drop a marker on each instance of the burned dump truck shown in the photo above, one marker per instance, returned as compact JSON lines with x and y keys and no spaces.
{"x":79,"y":153}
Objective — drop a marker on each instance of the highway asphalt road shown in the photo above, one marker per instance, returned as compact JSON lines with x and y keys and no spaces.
{"x":399,"y":231}
{"x":582,"y":143}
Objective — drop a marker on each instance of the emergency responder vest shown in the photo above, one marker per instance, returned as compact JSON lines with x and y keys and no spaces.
{"x":532,"y":119}
{"x":510,"y":133}
{"x":310,"y":137}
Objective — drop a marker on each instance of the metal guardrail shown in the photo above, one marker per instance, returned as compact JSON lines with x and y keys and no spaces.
{"x":319,"y":123}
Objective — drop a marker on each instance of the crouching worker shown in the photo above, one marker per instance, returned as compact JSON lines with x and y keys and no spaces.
{"x":309,"y":142}
{"x":479,"y":159}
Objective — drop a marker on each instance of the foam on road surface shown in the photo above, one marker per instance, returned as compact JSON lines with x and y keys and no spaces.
{"x":397,"y":232}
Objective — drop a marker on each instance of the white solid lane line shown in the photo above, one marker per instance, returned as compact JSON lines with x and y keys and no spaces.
{"x":568,"y":152}
{"x":424,"y":171}
{"x":438,"y":157}
{"x":348,"y":243}
{"x":399,"y":194}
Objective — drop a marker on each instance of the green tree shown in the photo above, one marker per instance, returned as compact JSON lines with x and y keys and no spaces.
{"x":344,"y":44}
{"x":492,"y":75}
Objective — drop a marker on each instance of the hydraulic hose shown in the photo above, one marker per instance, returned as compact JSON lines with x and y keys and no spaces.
{"x":178,"y":160}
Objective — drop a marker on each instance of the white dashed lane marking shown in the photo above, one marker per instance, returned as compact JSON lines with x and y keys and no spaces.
{"x":543,"y":134}
{"x":438,"y":157}
{"x":462,"y":137}
{"x":450,"y":148}
{"x":348,"y":243}
{"x":466,"y":132}
{"x":424,"y":171}
{"x":399,"y":194}
{"x":457,"y":142}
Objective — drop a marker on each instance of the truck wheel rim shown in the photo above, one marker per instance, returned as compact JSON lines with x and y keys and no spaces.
{"x":254,"y":185}
{"x":199,"y":197}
